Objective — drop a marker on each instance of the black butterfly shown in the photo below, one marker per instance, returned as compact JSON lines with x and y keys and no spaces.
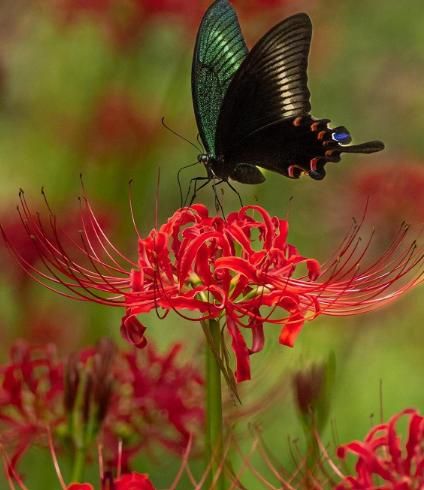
{"x":252,"y":108}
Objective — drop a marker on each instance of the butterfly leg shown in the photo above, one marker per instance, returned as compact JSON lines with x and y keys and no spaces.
{"x":196,"y":189}
{"x":179,"y":181}
{"x":236,"y":191}
{"x":218,"y":205}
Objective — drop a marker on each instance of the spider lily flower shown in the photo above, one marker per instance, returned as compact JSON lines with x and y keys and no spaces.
{"x":117,"y":129}
{"x":22,"y":244}
{"x":129,"y":481}
{"x":31,"y":388}
{"x":388,"y":458}
{"x":240,"y":270}
{"x":385,"y":191}
{"x":384,"y":460}
{"x":143,"y":399}
{"x":125,"y":23}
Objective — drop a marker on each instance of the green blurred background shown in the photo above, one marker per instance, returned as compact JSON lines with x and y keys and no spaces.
{"x":83,"y":90}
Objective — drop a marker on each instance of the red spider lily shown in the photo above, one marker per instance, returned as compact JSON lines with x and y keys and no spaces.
{"x":385,"y":187}
{"x":22,"y":244}
{"x":25,"y":246}
{"x":140,"y":398}
{"x":384,"y":461}
{"x":125,"y":21}
{"x":241,"y":269}
{"x":80,"y":486}
{"x":261,"y":7}
{"x":133,"y":481}
{"x":30,"y":396}
{"x":40,"y":326}
{"x":162,"y":403}
{"x":117,"y":128}
{"x":130,"y":481}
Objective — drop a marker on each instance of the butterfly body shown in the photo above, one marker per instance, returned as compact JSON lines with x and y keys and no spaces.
{"x":253,"y":109}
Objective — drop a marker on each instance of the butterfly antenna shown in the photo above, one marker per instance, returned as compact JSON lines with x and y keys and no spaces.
{"x":179,"y":135}
{"x":200,"y":142}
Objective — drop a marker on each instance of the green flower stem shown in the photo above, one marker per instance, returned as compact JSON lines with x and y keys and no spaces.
{"x":79,"y":464}
{"x":214,"y":422}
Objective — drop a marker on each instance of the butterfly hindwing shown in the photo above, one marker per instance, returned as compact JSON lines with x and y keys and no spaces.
{"x":219,"y":51}
{"x":270,"y":85}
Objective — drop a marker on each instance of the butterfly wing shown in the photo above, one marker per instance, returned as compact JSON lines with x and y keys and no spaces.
{"x":218,"y":53}
{"x":264,"y":119}
{"x":270,"y":85}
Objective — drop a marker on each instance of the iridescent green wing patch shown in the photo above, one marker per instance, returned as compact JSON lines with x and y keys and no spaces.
{"x":218,"y":53}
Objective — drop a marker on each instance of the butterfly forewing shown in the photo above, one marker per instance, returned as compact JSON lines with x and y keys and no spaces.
{"x":270,"y":85}
{"x":218,"y":53}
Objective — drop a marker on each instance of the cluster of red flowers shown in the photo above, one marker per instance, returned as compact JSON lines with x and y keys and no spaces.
{"x":140,"y":398}
{"x":385,"y":461}
{"x":241,"y":269}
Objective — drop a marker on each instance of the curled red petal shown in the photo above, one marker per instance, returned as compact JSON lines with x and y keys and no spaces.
{"x":314,"y":269}
{"x":242,"y":372}
{"x":133,"y":331}
{"x":291,"y":329}
{"x":238,"y":265}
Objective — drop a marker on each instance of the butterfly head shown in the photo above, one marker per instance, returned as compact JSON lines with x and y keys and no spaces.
{"x":203,"y":158}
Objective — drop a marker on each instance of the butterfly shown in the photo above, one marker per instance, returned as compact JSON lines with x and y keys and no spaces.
{"x":252,"y":108}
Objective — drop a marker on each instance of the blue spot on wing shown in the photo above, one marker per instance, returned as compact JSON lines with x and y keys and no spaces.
{"x":342,"y":137}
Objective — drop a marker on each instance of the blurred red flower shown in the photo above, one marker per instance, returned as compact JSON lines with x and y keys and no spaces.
{"x":23,"y":245}
{"x":130,"y":481}
{"x":125,"y":21}
{"x":240,"y":268}
{"x":139,"y":398}
{"x":133,"y":481}
{"x":394,"y":192}
{"x":117,"y":128}
{"x":80,"y":486}
{"x":384,"y":460}
{"x":31,"y":392}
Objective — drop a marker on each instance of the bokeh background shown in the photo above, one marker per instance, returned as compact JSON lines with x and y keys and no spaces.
{"x":83,"y":87}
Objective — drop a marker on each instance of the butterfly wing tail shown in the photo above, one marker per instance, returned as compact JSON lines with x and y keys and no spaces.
{"x":368,"y":147}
